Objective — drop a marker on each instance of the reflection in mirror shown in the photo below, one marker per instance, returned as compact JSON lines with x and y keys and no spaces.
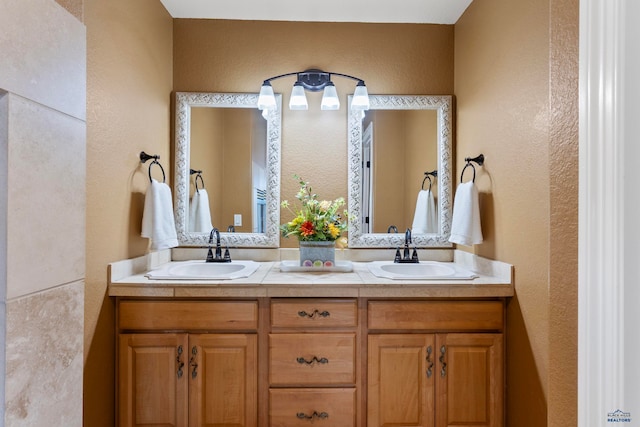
{"x":391,"y":147}
{"x":228,"y":145}
{"x":227,"y":169}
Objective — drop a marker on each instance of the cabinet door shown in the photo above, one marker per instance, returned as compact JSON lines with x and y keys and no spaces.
{"x":223,"y":379}
{"x":401,"y":380}
{"x":469,"y":380}
{"x":152,"y":380}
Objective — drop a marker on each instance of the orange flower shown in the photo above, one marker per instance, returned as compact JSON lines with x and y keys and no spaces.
{"x":306,"y":229}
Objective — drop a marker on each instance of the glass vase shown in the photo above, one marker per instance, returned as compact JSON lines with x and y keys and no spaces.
{"x":317,"y":254}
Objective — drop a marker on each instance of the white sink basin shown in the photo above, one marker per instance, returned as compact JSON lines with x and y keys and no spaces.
{"x":201,"y":270}
{"x":424,"y":270}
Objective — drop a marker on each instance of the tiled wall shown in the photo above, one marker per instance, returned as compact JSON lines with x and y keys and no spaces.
{"x":42,"y":224}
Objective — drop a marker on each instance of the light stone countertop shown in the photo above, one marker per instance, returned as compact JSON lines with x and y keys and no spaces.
{"x":127,"y":279}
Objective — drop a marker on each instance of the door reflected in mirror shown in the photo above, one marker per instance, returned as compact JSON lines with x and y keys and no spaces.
{"x":390,"y":148}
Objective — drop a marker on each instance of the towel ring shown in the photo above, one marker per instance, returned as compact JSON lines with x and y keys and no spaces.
{"x":155,"y":162}
{"x":428,"y":175}
{"x":198,"y":174}
{"x":201,"y":181}
{"x":143,"y":159}
{"x":474,"y":172}
{"x":479,"y":160}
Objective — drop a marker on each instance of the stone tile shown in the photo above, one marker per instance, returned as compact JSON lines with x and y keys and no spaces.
{"x":3,"y":354}
{"x":4,"y":166}
{"x":44,"y":358}
{"x":46,"y":198}
{"x":44,"y":54}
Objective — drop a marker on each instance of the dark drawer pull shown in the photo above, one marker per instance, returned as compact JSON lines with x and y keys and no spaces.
{"x":315,"y":313}
{"x":302,"y":360}
{"x":321,"y":416}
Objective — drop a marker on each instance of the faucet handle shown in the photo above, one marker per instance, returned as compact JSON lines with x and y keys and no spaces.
{"x":227,"y":255}
{"x":414,"y":256}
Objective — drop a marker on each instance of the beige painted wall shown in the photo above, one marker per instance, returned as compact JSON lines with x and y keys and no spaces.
{"x":237,"y":56}
{"x":517,"y":104}
{"x":129,"y":83}
{"x":563,"y":255}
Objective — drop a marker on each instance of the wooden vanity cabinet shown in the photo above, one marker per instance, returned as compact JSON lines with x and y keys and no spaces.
{"x":295,"y":362}
{"x":435,"y":363}
{"x":187,"y":364}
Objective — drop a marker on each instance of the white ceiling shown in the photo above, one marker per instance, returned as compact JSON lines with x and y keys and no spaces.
{"x":390,"y":11}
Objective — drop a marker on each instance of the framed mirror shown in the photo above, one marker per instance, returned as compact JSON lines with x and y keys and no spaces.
{"x":390,"y":148}
{"x":225,"y":145}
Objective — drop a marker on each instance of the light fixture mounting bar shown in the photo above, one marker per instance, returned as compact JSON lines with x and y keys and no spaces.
{"x":313,"y":79}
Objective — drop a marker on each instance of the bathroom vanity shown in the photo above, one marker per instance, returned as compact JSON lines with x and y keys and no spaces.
{"x":298,"y":349}
{"x":283,"y":348}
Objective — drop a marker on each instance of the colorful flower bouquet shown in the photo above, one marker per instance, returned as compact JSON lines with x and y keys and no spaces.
{"x":314,"y":220}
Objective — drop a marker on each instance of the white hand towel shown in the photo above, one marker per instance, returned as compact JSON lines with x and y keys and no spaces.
{"x":465,"y":225}
{"x":158,"y":223}
{"x":199,"y":212}
{"x":425,"y":216}
{"x":193,"y":209}
{"x":432,"y":213}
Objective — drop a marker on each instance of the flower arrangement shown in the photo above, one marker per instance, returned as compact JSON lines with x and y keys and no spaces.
{"x":314,"y":220}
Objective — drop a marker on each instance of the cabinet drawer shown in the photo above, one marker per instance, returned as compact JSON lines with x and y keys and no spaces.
{"x":436,"y":315}
{"x":188,"y":315}
{"x":314,"y":313}
{"x":302,"y":407}
{"x":311,"y":359}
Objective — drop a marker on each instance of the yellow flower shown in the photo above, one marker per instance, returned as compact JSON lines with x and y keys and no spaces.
{"x":334,"y":231}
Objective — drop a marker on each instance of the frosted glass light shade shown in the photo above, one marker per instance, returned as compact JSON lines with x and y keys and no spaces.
{"x":330,"y":100}
{"x":298,"y":100}
{"x":266,"y":99}
{"x":360,"y":100}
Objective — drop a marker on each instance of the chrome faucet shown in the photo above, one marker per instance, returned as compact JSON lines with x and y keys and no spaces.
{"x":218,"y":256}
{"x":392,"y":228}
{"x":406,"y":258}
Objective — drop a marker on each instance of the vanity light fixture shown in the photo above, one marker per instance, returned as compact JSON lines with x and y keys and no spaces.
{"x":313,"y":80}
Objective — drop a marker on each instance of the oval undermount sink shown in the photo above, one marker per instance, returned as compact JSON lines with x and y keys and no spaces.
{"x":201,"y":270}
{"x":424,"y":270}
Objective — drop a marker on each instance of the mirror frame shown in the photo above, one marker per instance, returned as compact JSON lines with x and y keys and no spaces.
{"x":184,"y":101}
{"x":443,"y":105}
